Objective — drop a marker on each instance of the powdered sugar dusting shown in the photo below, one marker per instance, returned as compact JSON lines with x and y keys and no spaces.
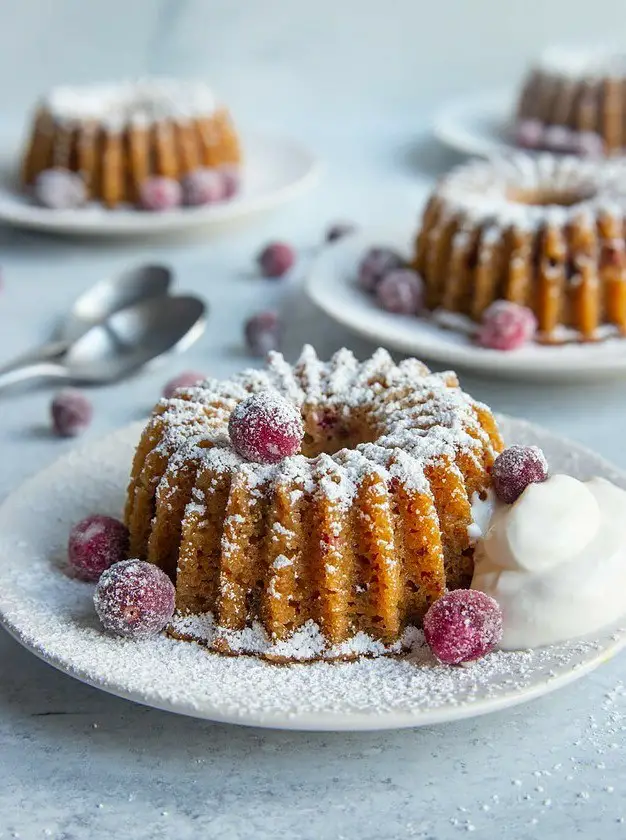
{"x":421,"y":416}
{"x":52,"y":613}
{"x":484,"y":191}
{"x":142,"y":102}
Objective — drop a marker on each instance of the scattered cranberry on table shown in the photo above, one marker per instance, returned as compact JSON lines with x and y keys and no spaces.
{"x":71,"y":412}
{"x":376,"y":263}
{"x":262,"y":333}
{"x":60,"y":189}
{"x":95,"y":544}
{"x":338,"y":230}
{"x":276,"y":259}
{"x":506,"y":326}
{"x":186,"y":379}
{"x":401,"y":292}
{"x":463,"y":625}
{"x":159,"y":193}
{"x":515,"y":468}
{"x":134,"y":599}
{"x":265,"y":428}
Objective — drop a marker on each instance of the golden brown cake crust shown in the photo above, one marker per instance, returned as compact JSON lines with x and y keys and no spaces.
{"x":545,"y":232}
{"x":346,"y":544}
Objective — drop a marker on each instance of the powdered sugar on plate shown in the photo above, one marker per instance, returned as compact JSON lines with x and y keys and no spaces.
{"x":51,"y":613}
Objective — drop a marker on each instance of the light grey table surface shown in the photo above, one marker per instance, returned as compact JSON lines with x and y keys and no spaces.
{"x":77,"y":763}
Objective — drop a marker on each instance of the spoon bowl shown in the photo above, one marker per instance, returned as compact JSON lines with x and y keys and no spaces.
{"x":133,"y":337}
{"x":141,"y":282}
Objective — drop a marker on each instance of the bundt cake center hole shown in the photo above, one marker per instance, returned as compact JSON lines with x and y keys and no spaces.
{"x":328,"y":429}
{"x":551,"y":197}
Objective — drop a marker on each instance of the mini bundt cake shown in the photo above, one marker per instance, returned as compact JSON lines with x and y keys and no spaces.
{"x":581,"y":91}
{"x":116,"y":136}
{"x":545,"y":232}
{"x":336,"y":550}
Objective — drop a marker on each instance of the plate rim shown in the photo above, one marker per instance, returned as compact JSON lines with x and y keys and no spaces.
{"x":452,"y":130}
{"x":21,"y":214}
{"x":328,"y":721}
{"x":371,"y":322}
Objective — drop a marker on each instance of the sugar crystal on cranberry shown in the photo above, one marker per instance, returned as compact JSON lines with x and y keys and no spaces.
{"x":506,"y":326}
{"x":266,"y":428}
{"x":276,"y":259}
{"x":376,"y":263}
{"x":134,"y":599}
{"x":60,"y":189}
{"x":463,"y":625}
{"x":529,"y":134}
{"x":558,"y":138}
{"x":71,"y":412}
{"x":95,"y":544}
{"x":159,"y":193}
{"x":203,"y":186}
{"x":401,"y":291}
{"x":589,"y":144}
{"x":231,"y":180}
{"x":516,"y":468}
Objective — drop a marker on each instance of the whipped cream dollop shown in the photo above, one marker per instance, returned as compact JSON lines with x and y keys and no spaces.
{"x":555,"y":561}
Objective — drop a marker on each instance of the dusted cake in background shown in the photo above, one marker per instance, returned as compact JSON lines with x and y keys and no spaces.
{"x":583,"y":91}
{"x":544,"y":232}
{"x":333,"y":551}
{"x":117,"y":136}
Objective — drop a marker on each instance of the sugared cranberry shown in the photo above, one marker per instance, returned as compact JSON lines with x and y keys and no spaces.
{"x":516,"y":468}
{"x":71,"y":412}
{"x":265,"y":427}
{"x":262,"y":333}
{"x":401,"y":291}
{"x":203,"y":186}
{"x":96,"y":543}
{"x":339,"y":230}
{"x":463,"y":625}
{"x":134,"y":599}
{"x":529,"y":134}
{"x":506,"y":326}
{"x":589,"y":144}
{"x":276,"y":259}
{"x":231,"y":180}
{"x":60,"y":189}
{"x":186,"y":379}
{"x":558,"y":138}
{"x":159,"y":193}
{"x":376,"y":263}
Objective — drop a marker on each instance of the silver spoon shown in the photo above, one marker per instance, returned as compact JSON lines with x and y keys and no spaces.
{"x":121,"y":345}
{"x":131,"y":286}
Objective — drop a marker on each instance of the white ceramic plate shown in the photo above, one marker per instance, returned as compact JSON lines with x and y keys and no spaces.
{"x":52,"y":615}
{"x":331,"y":284}
{"x":276,"y":170}
{"x":477,"y":125}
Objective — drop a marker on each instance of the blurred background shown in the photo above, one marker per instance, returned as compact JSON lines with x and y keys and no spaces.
{"x":344,"y":62}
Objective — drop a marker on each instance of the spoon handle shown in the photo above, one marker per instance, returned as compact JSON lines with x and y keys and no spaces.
{"x":45,"y":352}
{"x":37,"y":370}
